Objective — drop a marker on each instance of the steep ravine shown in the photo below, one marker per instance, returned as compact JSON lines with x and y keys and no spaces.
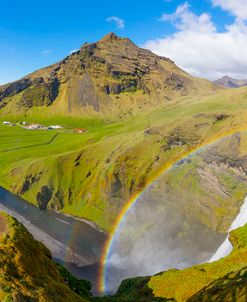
{"x":29,"y":274}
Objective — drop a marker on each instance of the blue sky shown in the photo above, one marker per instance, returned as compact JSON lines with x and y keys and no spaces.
{"x":36,"y":34}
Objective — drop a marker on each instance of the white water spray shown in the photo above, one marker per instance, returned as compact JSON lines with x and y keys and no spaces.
{"x":226,"y":247}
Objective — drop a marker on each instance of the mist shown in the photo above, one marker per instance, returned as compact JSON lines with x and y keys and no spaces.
{"x":159,"y":233}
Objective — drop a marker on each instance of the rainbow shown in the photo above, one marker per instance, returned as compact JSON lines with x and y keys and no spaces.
{"x":136,"y":197}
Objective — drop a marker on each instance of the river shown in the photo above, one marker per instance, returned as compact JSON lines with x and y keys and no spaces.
{"x":75,"y":243}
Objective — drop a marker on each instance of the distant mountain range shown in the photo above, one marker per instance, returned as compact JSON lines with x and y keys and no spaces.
{"x":229,"y":82}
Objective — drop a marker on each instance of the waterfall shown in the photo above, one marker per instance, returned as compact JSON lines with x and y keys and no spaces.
{"x":226,"y":247}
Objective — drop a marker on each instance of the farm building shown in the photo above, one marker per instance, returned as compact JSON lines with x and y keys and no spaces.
{"x":80,"y":130}
{"x":55,"y":127}
{"x":34,"y":127}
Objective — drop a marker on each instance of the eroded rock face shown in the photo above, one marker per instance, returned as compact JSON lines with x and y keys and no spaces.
{"x":41,"y":93}
{"x":44,"y":196}
{"x":58,"y":202}
{"x":29,"y":181}
{"x":14,"y":88}
{"x":82,"y":93}
{"x":177,"y":82}
{"x":228,"y":153}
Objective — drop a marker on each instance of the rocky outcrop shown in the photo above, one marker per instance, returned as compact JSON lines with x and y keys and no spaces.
{"x":44,"y":196}
{"x":29,"y":181}
{"x":41,"y":93}
{"x":14,"y":88}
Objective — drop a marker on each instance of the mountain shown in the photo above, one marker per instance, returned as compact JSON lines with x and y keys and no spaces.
{"x":109,"y":77}
{"x":229,"y":82}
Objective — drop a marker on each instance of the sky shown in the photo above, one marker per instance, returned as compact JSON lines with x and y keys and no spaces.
{"x":207,"y":38}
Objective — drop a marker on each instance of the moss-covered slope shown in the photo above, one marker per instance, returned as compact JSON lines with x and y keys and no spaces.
{"x":27,"y":272}
{"x":230,"y":288}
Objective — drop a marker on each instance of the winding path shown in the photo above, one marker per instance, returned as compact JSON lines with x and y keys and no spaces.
{"x":34,"y":145}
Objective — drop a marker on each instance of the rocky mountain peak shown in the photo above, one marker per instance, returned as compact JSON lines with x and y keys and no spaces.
{"x":94,"y":75}
{"x":110,"y":37}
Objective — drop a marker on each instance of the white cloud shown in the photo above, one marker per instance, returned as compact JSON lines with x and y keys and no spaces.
{"x":200,"y":49}
{"x":184,"y":19}
{"x":120,"y":23}
{"x":237,"y":8}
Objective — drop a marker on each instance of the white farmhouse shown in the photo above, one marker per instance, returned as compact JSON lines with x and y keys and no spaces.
{"x":55,"y":127}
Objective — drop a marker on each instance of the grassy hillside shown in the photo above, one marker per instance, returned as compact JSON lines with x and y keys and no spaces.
{"x":27,"y":272}
{"x":204,"y":278}
{"x":92,"y":175}
{"x":229,"y":288}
